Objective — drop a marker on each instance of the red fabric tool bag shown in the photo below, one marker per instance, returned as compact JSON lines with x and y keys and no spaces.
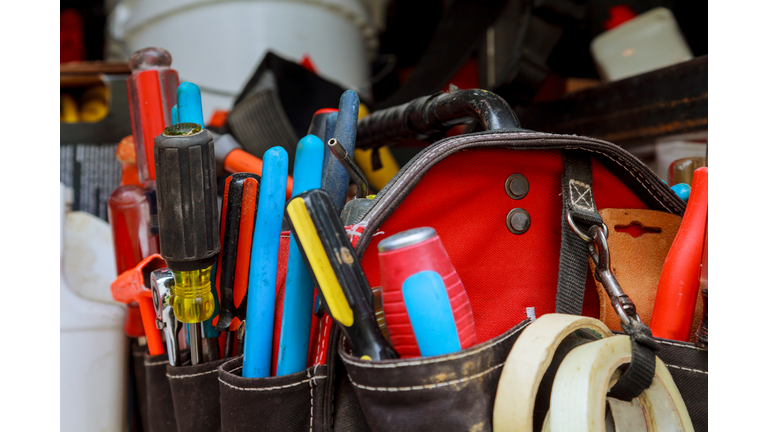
{"x":462,"y":195}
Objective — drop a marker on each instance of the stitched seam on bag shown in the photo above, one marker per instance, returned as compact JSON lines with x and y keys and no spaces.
{"x":190,"y":376}
{"x":632,"y":173}
{"x":311,"y":402}
{"x":688,"y":369}
{"x":321,"y":341}
{"x":156,"y":363}
{"x":427,"y":386}
{"x":692,"y":347}
{"x":270,"y":388}
{"x":429,"y":361}
{"x":458,"y":145}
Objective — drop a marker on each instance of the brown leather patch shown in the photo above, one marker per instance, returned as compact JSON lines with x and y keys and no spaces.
{"x":639,"y":241}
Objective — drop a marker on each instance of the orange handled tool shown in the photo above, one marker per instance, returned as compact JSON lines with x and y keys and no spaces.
{"x":133,"y":285}
{"x":231,"y":158}
{"x":679,"y":282}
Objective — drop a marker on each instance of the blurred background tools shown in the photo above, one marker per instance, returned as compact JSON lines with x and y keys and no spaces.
{"x":345,"y":292}
{"x":425,"y":305}
{"x":189,"y":238}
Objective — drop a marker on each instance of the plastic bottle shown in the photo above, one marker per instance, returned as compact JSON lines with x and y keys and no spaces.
{"x":635,"y":44}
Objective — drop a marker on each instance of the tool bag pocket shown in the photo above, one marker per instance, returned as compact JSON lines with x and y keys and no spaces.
{"x":195,"y":391}
{"x":285,"y":403}
{"x":688,"y":365}
{"x":160,"y":412}
{"x":451,"y":392}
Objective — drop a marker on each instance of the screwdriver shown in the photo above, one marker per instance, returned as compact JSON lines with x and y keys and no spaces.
{"x":151,"y":95}
{"x":335,"y":177}
{"x":128,"y":214}
{"x":241,"y":194}
{"x":189,"y":103}
{"x":425,"y":304}
{"x":299,"y":289}
{"x":262,"y":279}
{"x":345,"y":293}
{"x":188,"y":218}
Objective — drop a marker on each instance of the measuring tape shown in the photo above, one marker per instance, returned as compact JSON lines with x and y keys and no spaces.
{"x":586,"y":374}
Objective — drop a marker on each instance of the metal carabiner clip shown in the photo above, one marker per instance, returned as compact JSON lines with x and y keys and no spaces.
{"x":598,"y":248}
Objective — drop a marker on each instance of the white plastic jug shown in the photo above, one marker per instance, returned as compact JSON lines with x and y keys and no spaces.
{"x":94,"y":350}
{"x":647,"y":42}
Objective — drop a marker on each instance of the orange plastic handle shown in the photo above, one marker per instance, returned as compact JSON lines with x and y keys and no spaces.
{"x":239,"y":160}
{"x":131,"y":286}
{"x":679,"y":282}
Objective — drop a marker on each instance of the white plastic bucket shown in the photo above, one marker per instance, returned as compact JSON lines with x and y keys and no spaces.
{"x":218,"y":44}
{"x":93,"y":349}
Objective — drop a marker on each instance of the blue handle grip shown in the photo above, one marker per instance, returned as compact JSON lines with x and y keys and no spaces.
{"x":335,"y":177}
{"x":190,"y":104}
{"x":262,"y":276}
{"x":299,"y":288}
{"x":430,"y":313}
{"x":175,"y":115}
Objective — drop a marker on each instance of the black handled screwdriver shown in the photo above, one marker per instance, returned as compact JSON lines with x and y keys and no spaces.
{"x":185,"y":169}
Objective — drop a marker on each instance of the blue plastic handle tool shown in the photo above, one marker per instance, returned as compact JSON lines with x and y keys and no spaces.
{"x":190,"y":104}
{"x":299,"y":288}
{"x":430,"y":313}
{"x":335,"y":176}
{"x":207,"y":330}
{"x":262,"y":276}
{"x":682,"y":190}
{"x":175,"y":115}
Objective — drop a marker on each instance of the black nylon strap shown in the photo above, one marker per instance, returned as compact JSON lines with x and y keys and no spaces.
{"x":642,"y":368}
{"x":574,"y":252}
{"x":579,"y":202}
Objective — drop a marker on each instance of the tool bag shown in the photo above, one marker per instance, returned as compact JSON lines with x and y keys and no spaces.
{"x":501,"y":201}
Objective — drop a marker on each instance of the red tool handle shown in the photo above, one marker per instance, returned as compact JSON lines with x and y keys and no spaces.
{"x":146,"y":105}
{"x":397,"y":266}
{"x":679,"y":282}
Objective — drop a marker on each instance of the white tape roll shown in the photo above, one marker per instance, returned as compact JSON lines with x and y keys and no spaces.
{"x":585,"y":376}
{"x":526,"y":364}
